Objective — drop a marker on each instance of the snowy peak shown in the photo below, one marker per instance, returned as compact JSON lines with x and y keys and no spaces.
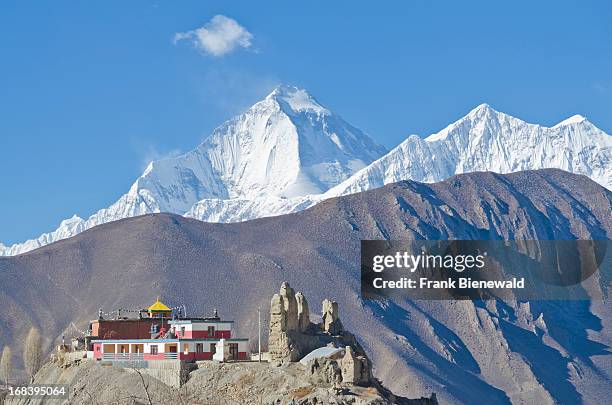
{"x":480,"y":110}
{"x":482,"y":116}
{"x":485,"y":113}
{"x":292,"y":99}
{"x":285,"y":145}
{"x":75,"y":219}
{"x":574,"y":119}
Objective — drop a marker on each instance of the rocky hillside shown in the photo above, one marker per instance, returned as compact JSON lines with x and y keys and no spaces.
{"x":210,"y":384}
{"x":538,"y":352}
{"x":342,"y":375}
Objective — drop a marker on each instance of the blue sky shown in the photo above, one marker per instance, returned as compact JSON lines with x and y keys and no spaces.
{"x":89,"y":91}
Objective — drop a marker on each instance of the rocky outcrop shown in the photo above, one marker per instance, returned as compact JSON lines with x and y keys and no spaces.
{"x":303,"y":314}
{"x":279,"y":343}
{"x":245,"y":383}
{"x":290,"y":305}
{"x":324,"y":371}
{"x":292,"y":336}
{"x":331,"y":320}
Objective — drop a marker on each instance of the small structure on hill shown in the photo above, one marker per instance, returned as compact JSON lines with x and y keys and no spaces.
{"x":292,"y":337}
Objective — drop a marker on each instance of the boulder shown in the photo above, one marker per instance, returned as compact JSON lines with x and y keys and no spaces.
{"x":323,"y":371}
{"x":291,"y":334}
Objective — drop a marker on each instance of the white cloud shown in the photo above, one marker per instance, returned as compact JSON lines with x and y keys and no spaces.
{"x":218,"y":37}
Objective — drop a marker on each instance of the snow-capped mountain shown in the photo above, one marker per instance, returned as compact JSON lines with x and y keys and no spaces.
{"x":483,"y":140}
{"x":288,"y":152}
{"x":488,"y":140}
{"x":286,"y":145}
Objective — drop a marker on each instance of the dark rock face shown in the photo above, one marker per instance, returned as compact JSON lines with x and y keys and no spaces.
{"x":464,"y":351}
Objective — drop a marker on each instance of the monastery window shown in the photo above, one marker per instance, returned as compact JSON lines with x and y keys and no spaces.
{"x":211,"y":331}
{"x":154,"y":349}
{"x":186,"y":348}
{"x":199,"y":348}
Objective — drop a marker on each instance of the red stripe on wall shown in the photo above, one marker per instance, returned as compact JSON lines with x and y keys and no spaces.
{"x":203,"y":334}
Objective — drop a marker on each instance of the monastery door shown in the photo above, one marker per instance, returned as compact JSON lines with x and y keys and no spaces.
{"x":233,"y":351}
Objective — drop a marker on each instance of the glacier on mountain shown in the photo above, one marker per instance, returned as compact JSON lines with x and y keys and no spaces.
{"x":288,"y":152}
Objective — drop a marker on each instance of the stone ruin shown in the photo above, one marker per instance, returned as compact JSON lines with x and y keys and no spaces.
{"x":355,"y":368}
{"x":292,"y":336}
